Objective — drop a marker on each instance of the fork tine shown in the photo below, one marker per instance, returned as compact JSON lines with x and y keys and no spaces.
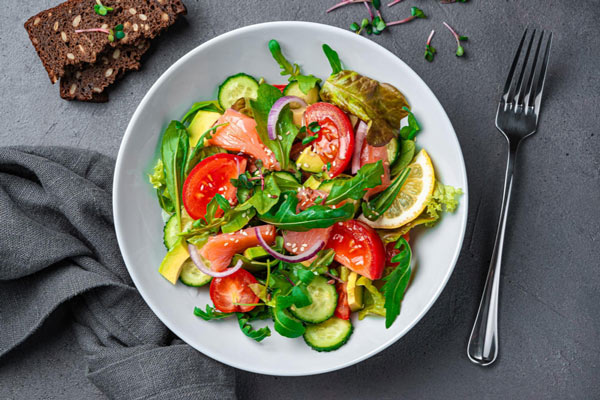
{"x":539,"y":85}
{"x":512,"y":69}
{"x":530,"y":80}
{"x":519,"y":86}
{"x":532,"y":73}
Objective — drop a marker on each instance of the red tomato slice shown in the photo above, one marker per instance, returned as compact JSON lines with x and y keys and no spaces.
{"x":335,"y":143}
{"x":371,"y":154}
{"x":280,"y":87}
{"x":342,"y":310}
{"x":233,"y":289}
{"x":358,"y":246}
{"x":211,"y":176}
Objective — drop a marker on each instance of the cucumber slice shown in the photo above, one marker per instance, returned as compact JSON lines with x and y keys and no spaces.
{"x":293,"y":89}
{"x":324,"y":301}
{"x":192,"y":276}
{"x":392,"y":149}
{"x":170,"y":232}
{"x":329,"y":335}
{"x":236,"y":87}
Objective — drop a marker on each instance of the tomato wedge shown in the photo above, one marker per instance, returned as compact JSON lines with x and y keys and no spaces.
{"x":224,"y":292}
{"x":371,"y":154}
{"x":335,"y":142}
{"x":280,"y":87}
{"x":358,"y":246}
{"x":342,"y":310}
{"x":211,"y":176}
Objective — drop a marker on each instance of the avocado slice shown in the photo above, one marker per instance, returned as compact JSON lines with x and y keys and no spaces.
{"x":312,"y":182}
{"x":310,"y":161}
{"x":203,"y":121}
{"x":171,"y":265}
{"x":355,"y":293}
{"x":254,"y":253}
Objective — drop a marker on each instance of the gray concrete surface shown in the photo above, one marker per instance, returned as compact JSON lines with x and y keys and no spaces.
{"x":549,"y":319}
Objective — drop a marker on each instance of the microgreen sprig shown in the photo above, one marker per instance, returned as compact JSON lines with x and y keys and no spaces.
{"x":394,"y":2}
{"x":460,"y":51}
{"x":115,"y":33}
{"x":415,"y":12}
{"x":429,"y":49}
{"x":101,"y":9}
{"x":345,"y":3}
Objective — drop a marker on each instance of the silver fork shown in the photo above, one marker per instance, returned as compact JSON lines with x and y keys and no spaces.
{"x":517,"y":118}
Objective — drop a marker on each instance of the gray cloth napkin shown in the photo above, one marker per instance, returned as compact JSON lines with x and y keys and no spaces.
{"x":58,"y":245}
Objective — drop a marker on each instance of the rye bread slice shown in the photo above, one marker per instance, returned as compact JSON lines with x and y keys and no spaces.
{"x":53,"y":32}
{"x":84,"y":84}
{"x":88,"y":83}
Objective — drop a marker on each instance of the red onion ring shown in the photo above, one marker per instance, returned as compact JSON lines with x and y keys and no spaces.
{"x":361,"y":133}
{"x":308,"y":254}
{"x":197,"y":259}
{"x":276,"y":110}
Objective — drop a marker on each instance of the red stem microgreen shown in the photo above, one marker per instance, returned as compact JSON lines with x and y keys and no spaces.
{"x":394,"y":2}
{"x":429,"y":49}
{"x":460,"y":51}
{"x":369,"y":10}
{"x":345,"y":3}
{"x":415,"y":12}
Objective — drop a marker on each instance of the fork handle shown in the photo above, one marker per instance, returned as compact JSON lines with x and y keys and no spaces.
{"x":483,"y":343}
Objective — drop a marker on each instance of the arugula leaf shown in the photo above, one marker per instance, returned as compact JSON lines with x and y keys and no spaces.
{"x":397,"y":282}
{"x":333,"y":58}
{"x":317,"y":216}
{"x":248,"y":330}
{"x":211,"y":105}
{"x":410,"y":131}
{"x":306,"y":82}
{"x":263,"y":200}
{"x":285,"y":324}
{"x":376,"y":206}
{"x":285,"y":184}
{"x":174,"y":152}
{"x":210,"y":313}
{"x":199,"y":152}
{"x":407,"y":152}
{"x":322,"y":261}
{"x":368,"y":176}
{"x":238,"y":220}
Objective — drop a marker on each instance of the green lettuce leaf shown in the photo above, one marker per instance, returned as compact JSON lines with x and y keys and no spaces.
{"x":444,"y":199}
{"x":284,"y":215}
{"x":380,"y":105}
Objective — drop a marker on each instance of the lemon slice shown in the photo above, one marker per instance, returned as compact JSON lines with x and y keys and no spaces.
{"x":413,"y":196}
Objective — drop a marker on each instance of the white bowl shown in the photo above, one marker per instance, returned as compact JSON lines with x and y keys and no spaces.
{"x":138,"y":220}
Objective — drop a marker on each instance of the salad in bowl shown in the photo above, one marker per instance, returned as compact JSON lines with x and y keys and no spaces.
{"x":295,"y":202}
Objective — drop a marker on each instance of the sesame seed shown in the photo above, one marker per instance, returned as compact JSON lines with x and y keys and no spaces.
{"x":226,"y":244}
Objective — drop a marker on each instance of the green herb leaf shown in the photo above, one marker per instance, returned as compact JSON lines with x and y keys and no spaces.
{"x":211,"y":106}
{"x":410,"y":131}
{"x":463,"y":38}
{"x":417,"y":12}
{"x":264,"y":200}
{"x":407,"y":152}
{"x":376,"y":4}
{"x":119,"y":35}
{"x":285,"y":181}
{"x":367,"y":177}
{"x":284,"y":215}
{"x":309,"y":139}
{"x":380,"y":105}
{"x":306,"y":82}
{"x":354,"y":27}
{"x":332,"y":55}
{"x":397,"y":282}
{"x":322,"y":261}
{"x":174,"y":153}
{"x":248,"y":330}
{"x":460,"y":51}
{"x":286,"y":129}
{"x":376,"y":206}
{"x":429,"y":52}
{"x":210,"y":313}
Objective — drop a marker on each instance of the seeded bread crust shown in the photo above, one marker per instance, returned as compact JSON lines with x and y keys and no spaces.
{"x":59,"y":47}
{"x":85,"y":84}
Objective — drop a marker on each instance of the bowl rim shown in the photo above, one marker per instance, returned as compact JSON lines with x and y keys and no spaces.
{"x":118,"y":174}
